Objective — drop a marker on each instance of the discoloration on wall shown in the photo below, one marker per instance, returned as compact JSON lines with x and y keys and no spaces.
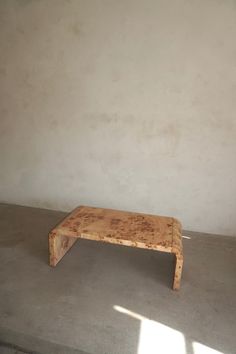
{"x":122,"y":105}
{"x":75,"y":27}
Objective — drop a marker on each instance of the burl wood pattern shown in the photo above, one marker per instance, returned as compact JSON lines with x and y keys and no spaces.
{"x":120,"y":227}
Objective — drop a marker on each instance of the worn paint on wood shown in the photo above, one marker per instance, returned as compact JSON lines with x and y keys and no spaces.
{"x":120,"y":227}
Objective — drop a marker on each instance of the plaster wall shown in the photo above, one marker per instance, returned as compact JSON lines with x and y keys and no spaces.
{"x":120,"y":104}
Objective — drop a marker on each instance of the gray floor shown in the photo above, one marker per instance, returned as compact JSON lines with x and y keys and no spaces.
{"x":110,"y":299}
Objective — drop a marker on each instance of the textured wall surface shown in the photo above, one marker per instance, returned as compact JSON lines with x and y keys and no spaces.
{"x":123,"y":104}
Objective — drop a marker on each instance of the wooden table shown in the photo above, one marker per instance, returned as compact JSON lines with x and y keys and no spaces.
{"x":159,"y":233}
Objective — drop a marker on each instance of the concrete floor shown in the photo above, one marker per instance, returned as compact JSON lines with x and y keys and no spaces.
{"x":112,"y":299}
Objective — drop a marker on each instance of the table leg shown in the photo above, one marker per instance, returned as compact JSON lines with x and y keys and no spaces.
{"x":178,"y":271}
{"x":58,"y":246}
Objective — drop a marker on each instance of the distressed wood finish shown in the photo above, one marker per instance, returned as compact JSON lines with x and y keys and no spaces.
{"x":120,"y":227}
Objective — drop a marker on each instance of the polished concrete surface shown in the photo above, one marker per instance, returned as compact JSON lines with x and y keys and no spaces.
{"x":104,"y":298}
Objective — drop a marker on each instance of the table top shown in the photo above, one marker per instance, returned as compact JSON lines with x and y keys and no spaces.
{"x":122,"y":227}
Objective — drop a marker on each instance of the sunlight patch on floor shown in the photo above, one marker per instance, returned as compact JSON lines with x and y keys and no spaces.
{"x":156,"y":336}
{"x":199,"y":348}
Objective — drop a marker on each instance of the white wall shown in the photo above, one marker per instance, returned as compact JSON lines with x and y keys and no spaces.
{"x":124,"y":104}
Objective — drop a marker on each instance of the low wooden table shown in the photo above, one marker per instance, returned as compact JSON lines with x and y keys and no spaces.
{"x":120,"y":227}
